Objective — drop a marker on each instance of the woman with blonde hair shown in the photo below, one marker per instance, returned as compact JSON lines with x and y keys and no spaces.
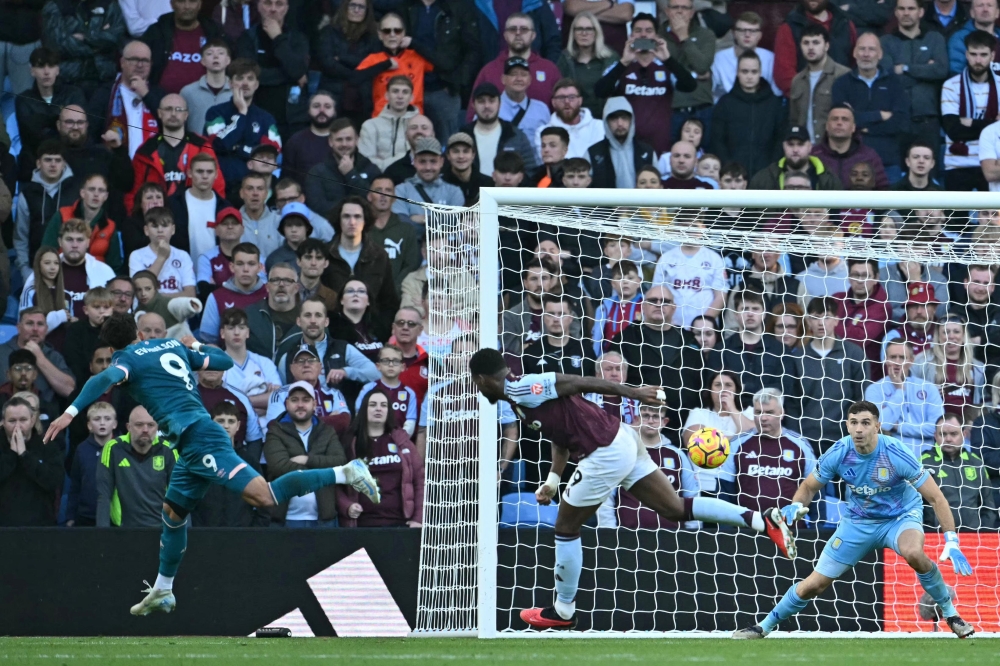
{"x":950,"y":363}
{"x":585,"y":59}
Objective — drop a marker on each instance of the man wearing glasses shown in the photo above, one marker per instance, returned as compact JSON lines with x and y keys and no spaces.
{"x":166,"y":158}
{"x":746,"y":37}
{"x":407,"y":328}
{"x":272,"y":318}
{"x":519,"y":34}
{"x":568,"y":113}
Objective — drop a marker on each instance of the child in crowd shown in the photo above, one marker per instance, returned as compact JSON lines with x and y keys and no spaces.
{"x":213,"y":266}
{"x":175,"y":311}
{"x":623,"y":307}
{"x":253,"y":374}
{"x":81,"y":505}
{"x":295,"y":227}
{"x":692,"y":131}
{"x":576,"y":173}
{"x":50,"y":296}
{"x":172,"y":267}
{"x":614,"y":249}
{"x":404,"y":400}
{"x":709,"y":168}
{"x":84,"y":335}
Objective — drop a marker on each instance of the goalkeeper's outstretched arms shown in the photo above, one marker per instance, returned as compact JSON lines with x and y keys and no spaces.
{"x":577,"y":385}
{"x":803,"y":497}
{"x":935,"y":498}
{"x":95,"y":387}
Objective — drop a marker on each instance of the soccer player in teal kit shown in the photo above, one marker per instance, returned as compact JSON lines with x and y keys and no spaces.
{"x":159,"y":374}
{"x":886,"y":488}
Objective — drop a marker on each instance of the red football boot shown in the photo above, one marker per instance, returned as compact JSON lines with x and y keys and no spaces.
{"x":546,"y":618}
{"x":779,"y":533}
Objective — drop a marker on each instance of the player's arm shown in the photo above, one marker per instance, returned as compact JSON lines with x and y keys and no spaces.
{"x":577,"y":385}
{"x":550,"y":488}
{"x":95,"y":387}
{"x":205,"y":357}
{"x":932,"y":495}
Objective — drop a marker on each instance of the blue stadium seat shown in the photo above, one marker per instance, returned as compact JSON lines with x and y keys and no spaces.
{"x":523,"y":510}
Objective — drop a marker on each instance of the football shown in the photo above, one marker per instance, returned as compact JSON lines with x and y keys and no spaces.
{"x":708,"y":448}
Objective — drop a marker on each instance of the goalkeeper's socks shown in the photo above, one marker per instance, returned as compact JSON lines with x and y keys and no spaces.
{"x":789,"y":605}
{"x":933,"y":584}
{"x":712,"y":510}
{"x":303,"y":482}
{"x":569,"y":562}
{"x":173,"y":543}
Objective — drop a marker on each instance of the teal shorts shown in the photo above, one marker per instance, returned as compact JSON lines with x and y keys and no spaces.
{"x":852,"y":541}
{"x":206,"y":458}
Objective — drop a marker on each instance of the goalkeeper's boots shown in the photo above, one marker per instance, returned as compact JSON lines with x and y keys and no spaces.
{"x":961,"y":628}
{"x":362,"y":480}
{"x":547,"y":618}
{"x":161,"y":601}
{"x":750,"y":633}
{"x":779,"y":533}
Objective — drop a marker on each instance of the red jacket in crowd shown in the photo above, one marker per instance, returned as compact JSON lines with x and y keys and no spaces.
{"x":149,"y":167}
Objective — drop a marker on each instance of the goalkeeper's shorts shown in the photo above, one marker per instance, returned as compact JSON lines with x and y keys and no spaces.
{"x":621,"y":463}
{"x":853,"y":540}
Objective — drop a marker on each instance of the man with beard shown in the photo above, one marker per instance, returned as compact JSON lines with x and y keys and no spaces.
{"x":306,"y":366}
{"x":271,"y":319}
{"x":85,"y":156}
{"x":797,"y":159}
{"x":492,"y":135}
{"x":212,"y":88}
{"x":310,"y":146}
{"x":584,"y":130}
{"x":983,"y":15}
{"x":417,"y":127}
{"x":788,"y":59}
{"x":968,"y":106}
{"x":343,"y":172}
{"x":617,"y":159}
{"x":165,"y":158}
{"x":918,"y":329}
{"x":459,"y":171}
{"x":175,"y":41}
{"x":812,"y":87}
{"x":982,"y":315}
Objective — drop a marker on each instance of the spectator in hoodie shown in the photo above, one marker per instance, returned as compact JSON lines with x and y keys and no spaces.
{"x":295,"y":228}
{"x":647,"y":78}
{"x":54,"y":377}
{"x":755,"y":357}
{"x":842,"y":148}
{"x":586,"y":57}
{"x":38,"y":108}
{"x":20,"y":33}
{"x":260,"y":223}
{"x":288,"y":190}
{"x":968,"y":106}
{"x":584,"y":129}
{"x":417,"y":127}
{"x":521,"y":37}
{"x":749,"y":121}
{"x":983,"y":15}
{"x":238,"y":126}
{"x":175,"y":41}
{"x":243,"y":289}
{"x":383,"y":138}
{"x":962,"y":476}
{"x":788,"y":59}
{"x":394,"y":59}
{"x":252,"y":374}
{"x":81,"y":506}
{"x":617,"y":159}
{"x":865,"y":311}
{"x":212,"y":88}
{"x":310,"y":146}
{"x":91,"y":207}
{"x":397,"y":237}
{"x":494,"y":136}
{"x":919,"y":57}
{"x":51,"y":187}
{"x":621,"y":308}
{"x":427,"y":186}
{"x":909,"y":406}
{"x":283,"y":55}
{"x":344,"y":169}
{"x":87,"y":42}
{"x":879,"y":103}
{"x":461,"y":172}
{"x":173,"y":267}
{"x":747,"y":33}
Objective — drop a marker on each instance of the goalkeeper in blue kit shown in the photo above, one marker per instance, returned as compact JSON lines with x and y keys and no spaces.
{"x":886,"y":488}
{"x":159,"y":375}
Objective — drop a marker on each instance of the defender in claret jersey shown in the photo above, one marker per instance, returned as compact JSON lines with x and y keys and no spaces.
{"x":611,"y":455}
{"x":886,"y":489}
{"x":159,"y":375}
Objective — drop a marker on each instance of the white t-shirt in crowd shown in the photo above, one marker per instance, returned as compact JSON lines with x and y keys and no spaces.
{"x":693,"y":280}
{"x":487,"y":144}
{"x":133,"y":112}
{"x":177,"y":271}
{"x":989,"y":148}
{"x":950,"y":105}
{"x":201,"y":224}
{"x":304,"y":507}
{"x":724,"y":71}
{"x":254,"y":375}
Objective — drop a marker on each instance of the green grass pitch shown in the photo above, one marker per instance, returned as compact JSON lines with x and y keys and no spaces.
{"x":522,"y":652}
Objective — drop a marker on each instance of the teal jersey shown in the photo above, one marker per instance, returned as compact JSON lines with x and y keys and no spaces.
{"x":159,"y":375}
{"x":881,"y":485}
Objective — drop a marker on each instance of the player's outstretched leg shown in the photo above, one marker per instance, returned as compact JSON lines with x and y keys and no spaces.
{"x":910,"y":546}
{"x":794,"y":601}
{"x":303,"y":482}
{"x":173,"y":543}
{"x":656,"y":492}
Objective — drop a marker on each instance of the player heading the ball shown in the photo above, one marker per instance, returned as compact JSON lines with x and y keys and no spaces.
{"x":611,"y":455}
{"x":886,"y":488}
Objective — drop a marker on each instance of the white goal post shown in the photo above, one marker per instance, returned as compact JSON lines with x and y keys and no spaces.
{"x":477,"y":571}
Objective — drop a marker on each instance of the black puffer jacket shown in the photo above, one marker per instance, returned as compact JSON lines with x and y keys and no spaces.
{"x":94,"y":59}
{"x":747,"y":127}
{"x":338,"y":61}
{"x":455,"y":52}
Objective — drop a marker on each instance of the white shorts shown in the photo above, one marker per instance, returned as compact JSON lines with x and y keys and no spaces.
{"x":621,"y":463}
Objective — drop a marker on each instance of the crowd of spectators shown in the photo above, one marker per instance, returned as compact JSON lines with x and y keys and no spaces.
{"x":254,"y":172}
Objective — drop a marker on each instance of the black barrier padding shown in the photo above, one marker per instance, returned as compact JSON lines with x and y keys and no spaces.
{"x":82,"y":582}
{"x":663,"y":581}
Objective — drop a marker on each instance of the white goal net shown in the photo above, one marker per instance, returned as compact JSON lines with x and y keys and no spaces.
{"x":818,"y":299}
